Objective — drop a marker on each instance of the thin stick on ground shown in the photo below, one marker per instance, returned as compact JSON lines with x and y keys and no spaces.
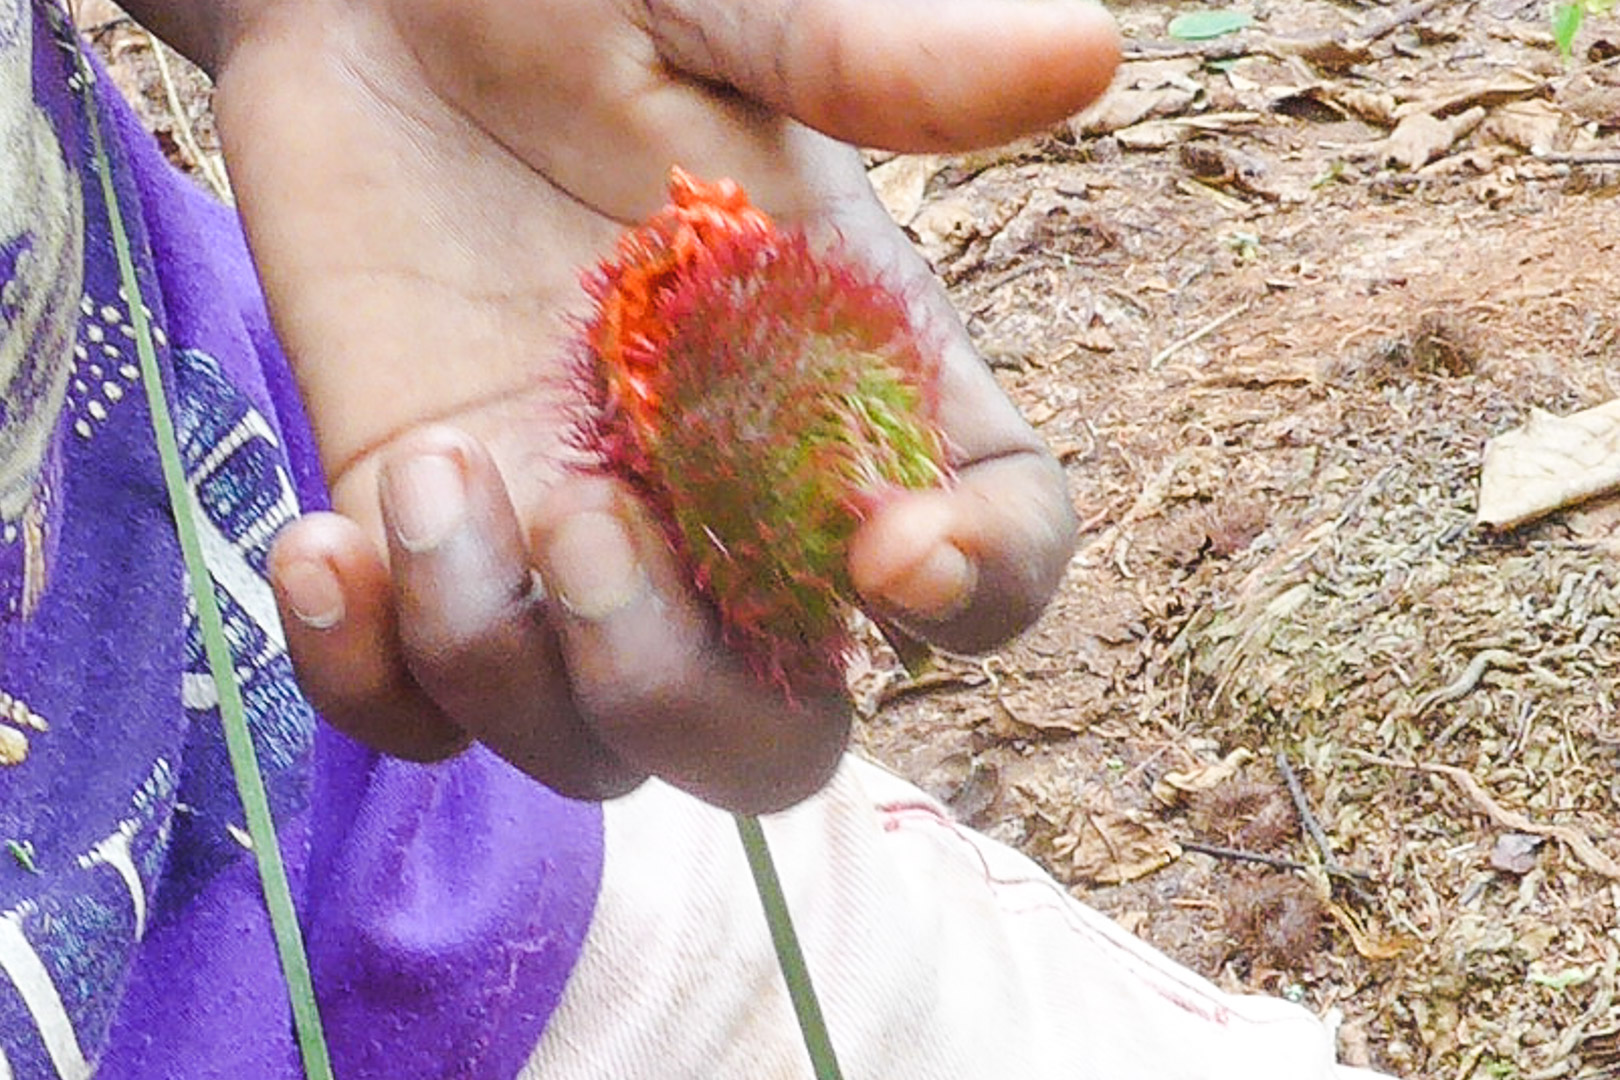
{"x":1397,"y":19}
{"x":1318,"y":835}
{"x":1197,"y":335}
{"x":1558,"y":157}
{"x":1239,"y":855}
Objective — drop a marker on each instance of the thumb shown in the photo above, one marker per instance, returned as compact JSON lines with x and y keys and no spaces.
{"x":909,"y":75}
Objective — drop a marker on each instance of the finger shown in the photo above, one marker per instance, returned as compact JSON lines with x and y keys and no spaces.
{"x":969,"y":568}
{"x":336,"y":605}
{"x":713,"y":84}
{"x":923,"y":75}
{"x":471,"y":622}
{"x":648,"y":668}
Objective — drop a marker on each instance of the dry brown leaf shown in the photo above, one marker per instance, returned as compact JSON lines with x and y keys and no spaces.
{"x":901,"y":182}
{"x":1095,"y":336}
{"x":1475,"y":93}
{"x":1222,"y":166}
{"x":1153,"y":135}
{"x":945,"y":223}
{"x":1288,"y":372}
{"x":1420,"y":138}
{"x":1148,"y":74}
{"x":1373,"y":106}
{"x":1112,"y":846}
{"x":1598,"y":520}
{"x":1173,"y":787}
{"x":1369,"y":943}
{"x":1590,"y":102}
{"x":1158,"y":134}
{"x":1122,"y":108}
{"x":1009,"y":722}
{"x":1532,"y":125}
{"x":1328,"y":54}
{"x":1334,"y":100}
{"x":1475,"y":161}
{"x":1134,"y":921}
{"x":1310,"y":102}
{"x":1550,"y":462}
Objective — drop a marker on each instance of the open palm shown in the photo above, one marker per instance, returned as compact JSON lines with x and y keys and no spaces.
{"x":423,"y":182}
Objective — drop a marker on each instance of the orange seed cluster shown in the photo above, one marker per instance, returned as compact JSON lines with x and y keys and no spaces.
{"x":627,"y":334}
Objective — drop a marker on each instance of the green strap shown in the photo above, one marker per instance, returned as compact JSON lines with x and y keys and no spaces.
{"x":239,"y":742}
{"x":794,"y":970}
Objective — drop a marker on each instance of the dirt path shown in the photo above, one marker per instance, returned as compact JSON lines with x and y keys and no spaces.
{"x":1269,"y":336}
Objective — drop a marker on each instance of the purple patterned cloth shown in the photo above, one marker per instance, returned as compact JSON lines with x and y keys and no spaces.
{"x":443,"y":906}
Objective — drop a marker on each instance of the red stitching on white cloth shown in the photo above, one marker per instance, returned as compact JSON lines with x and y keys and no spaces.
{"x":1168,"y":983}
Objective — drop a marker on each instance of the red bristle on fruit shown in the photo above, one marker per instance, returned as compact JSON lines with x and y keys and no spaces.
{"x":762,"y":394}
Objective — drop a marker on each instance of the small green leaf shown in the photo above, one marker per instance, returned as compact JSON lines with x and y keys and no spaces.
{"x":1203,"y":25}
{"x":1566,"y":22}
{"x":1334,"y":171}
{"x":23,"y":852}
{"x":1562,"y":980}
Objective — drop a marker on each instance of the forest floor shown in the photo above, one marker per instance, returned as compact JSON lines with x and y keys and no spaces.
{"x":1294,"y":717}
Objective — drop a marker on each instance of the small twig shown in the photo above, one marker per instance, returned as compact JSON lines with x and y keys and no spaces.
{"x":928,"y":682}
{"x":1319,"y":836}
{"x":1397,"y":19}
{"x":1242,"y":856}
{"x":1214,"y":50}
{"x":1007,"y":278}
{"x":1197,"y":335}
{"x":1351,"y":874}
{"x":1470,"y":1060}
{"x":1271,"y":860}
{"x":1577,"y":841}
{"x":1464,"y":684}
{"x":101,"y":28}
{"x":1559,"y":157}
{"x":1297,"y":790}
{"x":183,"y":133}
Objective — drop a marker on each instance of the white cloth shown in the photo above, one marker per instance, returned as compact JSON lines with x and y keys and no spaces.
{"x":937,"y":954}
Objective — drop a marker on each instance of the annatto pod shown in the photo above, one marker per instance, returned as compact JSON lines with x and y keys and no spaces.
{"x":762,"y":395}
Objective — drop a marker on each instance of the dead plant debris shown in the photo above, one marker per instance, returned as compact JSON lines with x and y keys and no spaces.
{"x":1274,"y":385}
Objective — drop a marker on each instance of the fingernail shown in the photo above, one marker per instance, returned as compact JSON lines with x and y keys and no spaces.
{"x":313,"y":593}
{"x":427,"y":500}
{"x":938,"y":587}
{"x":592,"y":566}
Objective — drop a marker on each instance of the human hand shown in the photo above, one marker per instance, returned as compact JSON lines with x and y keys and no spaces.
{"x":423,"y":181}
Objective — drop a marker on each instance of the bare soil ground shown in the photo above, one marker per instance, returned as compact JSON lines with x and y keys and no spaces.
{"x":1268,"y":303}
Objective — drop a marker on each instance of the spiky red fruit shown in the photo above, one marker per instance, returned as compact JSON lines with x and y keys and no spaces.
{"x":763,"y":395}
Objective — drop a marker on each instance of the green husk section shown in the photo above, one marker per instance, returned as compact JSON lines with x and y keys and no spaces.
{"x":799,"y":393}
